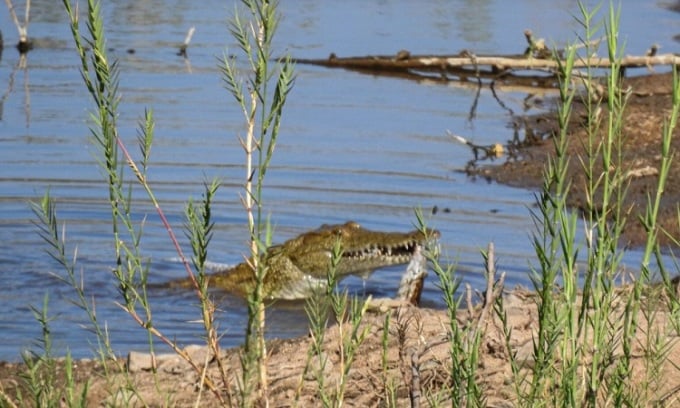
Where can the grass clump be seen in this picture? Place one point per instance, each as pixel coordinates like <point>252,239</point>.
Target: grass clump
<point>49,382</point>
<point>262,111</point>
<point>587,325</point>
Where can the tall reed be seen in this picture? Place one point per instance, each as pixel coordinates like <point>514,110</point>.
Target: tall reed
<point>262,109</point>
<point>584,345</point>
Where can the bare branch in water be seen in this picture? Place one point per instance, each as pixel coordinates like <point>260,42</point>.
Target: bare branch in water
<point>24,44</point>
<point>183,48</point>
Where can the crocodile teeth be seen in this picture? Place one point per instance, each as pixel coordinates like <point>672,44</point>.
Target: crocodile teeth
<point>398,252</point>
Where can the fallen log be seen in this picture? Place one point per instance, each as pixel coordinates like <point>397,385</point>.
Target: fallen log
<point>537,66</point>
<point>465,65</point>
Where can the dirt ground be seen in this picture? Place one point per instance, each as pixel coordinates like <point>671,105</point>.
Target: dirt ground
<point>417,360</point>
<point>416,365</point>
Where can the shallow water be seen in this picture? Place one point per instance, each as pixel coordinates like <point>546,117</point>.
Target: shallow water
<point>352,146</point>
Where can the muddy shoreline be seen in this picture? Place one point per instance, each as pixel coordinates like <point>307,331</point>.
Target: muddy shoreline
<point>647,108</point>
<point>409,353</point>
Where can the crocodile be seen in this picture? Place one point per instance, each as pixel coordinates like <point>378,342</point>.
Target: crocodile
<point>299,266</point>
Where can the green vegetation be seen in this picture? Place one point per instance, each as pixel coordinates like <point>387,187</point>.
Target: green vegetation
<point>42,372</point>
<point>262,111</point>
<point>587,324</point>
<point>582,351</point>
<point>343,309</point>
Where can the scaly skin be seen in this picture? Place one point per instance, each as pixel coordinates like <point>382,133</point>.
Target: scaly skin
<point>298,267</point>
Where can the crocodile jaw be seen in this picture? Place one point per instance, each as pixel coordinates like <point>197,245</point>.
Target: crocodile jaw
<point>361,263</point>
<point>363,251</point>
<point>365,261</point>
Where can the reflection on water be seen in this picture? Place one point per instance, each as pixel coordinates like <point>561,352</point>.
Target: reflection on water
<point>352,147</point>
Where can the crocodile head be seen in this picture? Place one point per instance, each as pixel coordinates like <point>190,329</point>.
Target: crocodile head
<point>298,267</point>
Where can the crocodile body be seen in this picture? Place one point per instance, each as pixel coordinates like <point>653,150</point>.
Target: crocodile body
<point>299,266</point>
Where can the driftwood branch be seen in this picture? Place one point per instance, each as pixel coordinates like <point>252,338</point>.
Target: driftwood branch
<point>183,48</point>
<point>494,288</point>
<point>538,64</point>
<point>495,64</point>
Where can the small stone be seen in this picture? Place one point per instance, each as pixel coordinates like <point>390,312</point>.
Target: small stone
<point>138,361</point>
<point>199,353</point>
<point>173,364</point>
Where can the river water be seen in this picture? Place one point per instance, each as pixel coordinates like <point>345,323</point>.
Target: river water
<point>352,147</point>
